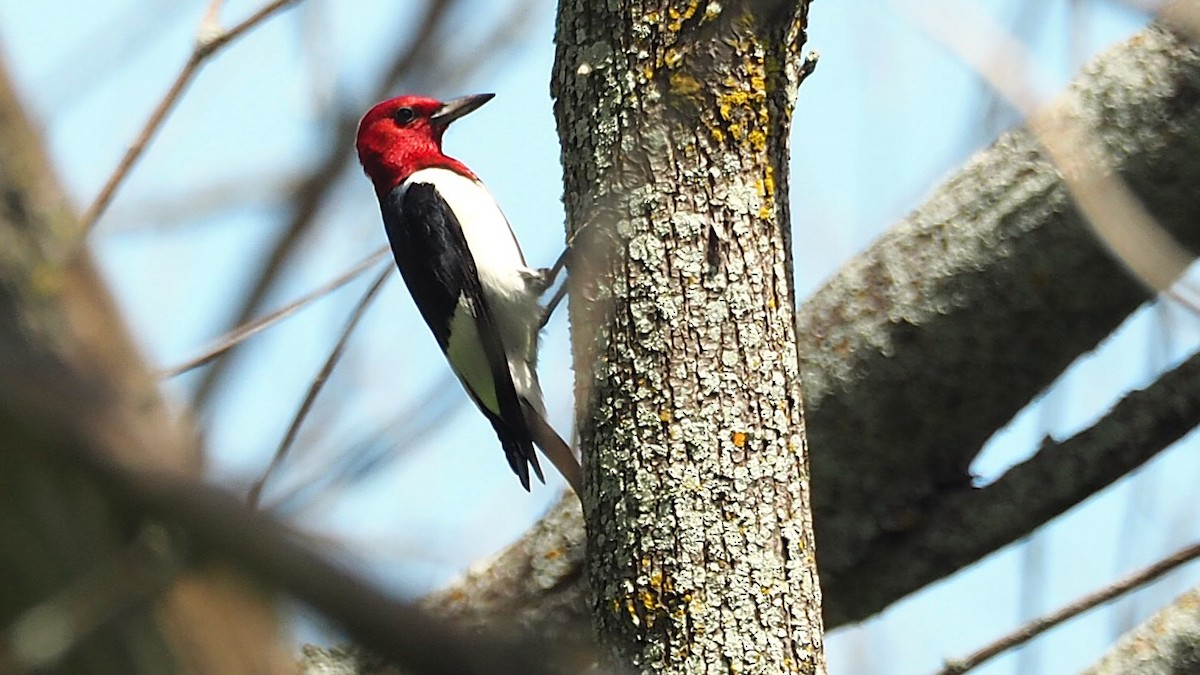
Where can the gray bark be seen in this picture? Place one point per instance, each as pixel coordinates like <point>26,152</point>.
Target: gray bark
<point>996,285</point>
<point>674,119</point>
<point>931,340</point>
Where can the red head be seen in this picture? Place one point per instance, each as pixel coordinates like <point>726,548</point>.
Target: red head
<point>403,135</point>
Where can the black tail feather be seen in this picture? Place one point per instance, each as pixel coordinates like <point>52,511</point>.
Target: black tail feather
<point>521,456</point>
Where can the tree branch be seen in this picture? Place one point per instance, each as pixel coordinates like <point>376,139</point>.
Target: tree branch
<point>912,358</point>
<point>965,526</point>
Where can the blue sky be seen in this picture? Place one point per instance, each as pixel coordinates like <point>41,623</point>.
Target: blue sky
<point>887,116</point>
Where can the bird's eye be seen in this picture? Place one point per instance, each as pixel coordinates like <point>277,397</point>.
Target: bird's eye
<point>403,116</point>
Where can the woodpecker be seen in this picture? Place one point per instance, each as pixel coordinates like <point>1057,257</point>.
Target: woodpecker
<point>465,271</point>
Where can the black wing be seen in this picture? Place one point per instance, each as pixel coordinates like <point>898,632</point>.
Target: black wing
<point>438,268</point>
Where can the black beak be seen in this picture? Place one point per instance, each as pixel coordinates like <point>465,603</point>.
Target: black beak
<point>456,108</point>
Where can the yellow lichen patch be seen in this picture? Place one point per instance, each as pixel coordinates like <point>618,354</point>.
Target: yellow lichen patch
<point>768,194</point>
<point>648,600</point>
<point>739,439</point>
<point>677,17</point>
<point>673,57</point>
<point>742,102</point>
<point>683,84</point>
<point>648,71</point>
<point>664,416</point>
<point>632,610</point>
<point>728,101</point>
<point>757,139</point>
<point>552,554</point>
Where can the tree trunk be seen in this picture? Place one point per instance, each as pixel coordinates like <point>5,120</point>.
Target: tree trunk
<point>674,120</point>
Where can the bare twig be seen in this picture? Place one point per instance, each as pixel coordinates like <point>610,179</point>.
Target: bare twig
<point>252,328</point>
<point>209,40</point>
<point>315,189</point>
<point>1183,300</point>
<point>1164,643</point>
<point>318,383</point>
<point>361,456</point>
<point>548,311</point>
<point>1045,623</point>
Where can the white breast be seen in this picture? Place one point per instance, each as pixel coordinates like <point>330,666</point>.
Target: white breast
<point>503,274</point>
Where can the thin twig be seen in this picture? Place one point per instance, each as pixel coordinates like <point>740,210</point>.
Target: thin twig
<point>318,383</point>
<point>208,42</point>
<point>548,310</point>
<point>1183,300</point>
<point>246,24</point>
<point>357,458</point>
<point>315,189</point>
<point>553,272</point>
<point>252,328</point>
<point>1038,626</point>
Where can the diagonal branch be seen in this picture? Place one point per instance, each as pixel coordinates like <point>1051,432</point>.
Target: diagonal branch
<point>974,305</point>
<point>319,382</point>
<point>963,527</point>
<point>209,40</point>
<point>1169,642</point>
<point>1042,624</point>
<point>252,328</point>
<point>316,188</point>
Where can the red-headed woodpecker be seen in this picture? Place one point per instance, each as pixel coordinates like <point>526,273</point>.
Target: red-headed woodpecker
<point>465,270</point>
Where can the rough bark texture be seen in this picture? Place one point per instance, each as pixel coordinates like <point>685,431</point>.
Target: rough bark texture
<point>1003,284</point>
<point>70,376</point>
<point>962,527</point>
<point>674,119</point>
<point>974,303</point>
<point>1167,644</point>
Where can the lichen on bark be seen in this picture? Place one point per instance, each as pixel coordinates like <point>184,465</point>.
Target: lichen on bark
<point>674,119</point>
